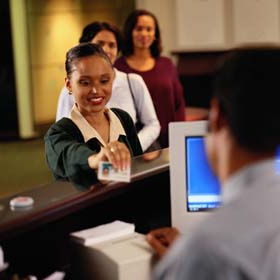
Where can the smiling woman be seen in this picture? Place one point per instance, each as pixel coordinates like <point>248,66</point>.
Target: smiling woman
<point>92,133</point>
<point>129,93</point>
<point>92,87</point>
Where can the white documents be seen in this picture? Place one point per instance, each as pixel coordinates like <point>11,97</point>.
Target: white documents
<point>112,251</point>
<point>103,233</point>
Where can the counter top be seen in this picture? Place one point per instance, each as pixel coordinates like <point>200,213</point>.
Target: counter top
<point>58,199</point>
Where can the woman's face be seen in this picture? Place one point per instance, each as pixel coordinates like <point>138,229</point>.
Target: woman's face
<point>91,83</point>
<point>143,34</point>
<point>107,40</point>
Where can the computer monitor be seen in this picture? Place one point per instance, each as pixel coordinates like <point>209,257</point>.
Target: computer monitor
<point>194,188</point>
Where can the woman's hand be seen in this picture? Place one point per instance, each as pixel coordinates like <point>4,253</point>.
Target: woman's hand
<point>115,152</point>
<point>160,239</point>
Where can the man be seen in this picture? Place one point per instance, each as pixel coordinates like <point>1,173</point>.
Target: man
<point>241,240</point>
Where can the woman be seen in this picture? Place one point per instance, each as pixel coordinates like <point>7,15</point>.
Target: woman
<point>141,50</point>
<point>92,133</point>
<point>109,37</point>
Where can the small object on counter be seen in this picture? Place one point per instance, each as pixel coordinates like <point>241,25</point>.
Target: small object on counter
<point>21,201</point>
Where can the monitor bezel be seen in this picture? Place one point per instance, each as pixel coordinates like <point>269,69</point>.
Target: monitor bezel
<point>180,218</point>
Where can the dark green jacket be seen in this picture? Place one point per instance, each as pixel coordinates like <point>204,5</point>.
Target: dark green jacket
<point>67,153</point>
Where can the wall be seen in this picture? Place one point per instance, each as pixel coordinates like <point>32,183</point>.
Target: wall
<point>203,25</point>
<point>196,32</point>
<point>165,12</point>
<point>54,27</point>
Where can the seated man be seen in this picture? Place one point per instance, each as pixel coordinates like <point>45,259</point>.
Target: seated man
<point>241,240</point>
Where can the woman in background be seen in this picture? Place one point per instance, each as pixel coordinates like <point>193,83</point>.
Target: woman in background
<point>142,110</point>
<point>92,133</point>
<point>141,55</point>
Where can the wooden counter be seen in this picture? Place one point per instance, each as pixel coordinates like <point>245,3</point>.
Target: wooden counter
<point>36,240</point>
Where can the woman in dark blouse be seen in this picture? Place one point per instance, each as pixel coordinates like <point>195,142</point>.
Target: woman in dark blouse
<point>92,133</point>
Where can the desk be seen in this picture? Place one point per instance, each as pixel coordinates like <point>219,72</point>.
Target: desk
<point>36,241</point>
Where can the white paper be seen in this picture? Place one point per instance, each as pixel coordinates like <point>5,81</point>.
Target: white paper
<point>104,232</point>
<point>3,265</point>
<point>57,275</point>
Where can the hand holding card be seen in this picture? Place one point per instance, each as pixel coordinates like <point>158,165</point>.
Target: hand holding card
<point>106,171</point>
<point>115,152</point>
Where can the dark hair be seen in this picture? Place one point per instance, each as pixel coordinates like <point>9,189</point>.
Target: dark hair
<point>129,25</point>
<point>83,50</point>
<point>247,85</point>
<point>92,29</point>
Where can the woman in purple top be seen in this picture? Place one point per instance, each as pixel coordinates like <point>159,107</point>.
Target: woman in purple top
<point>141,55</point>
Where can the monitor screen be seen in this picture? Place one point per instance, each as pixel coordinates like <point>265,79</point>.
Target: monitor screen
<point>203,190</point>
<point>194,189</point>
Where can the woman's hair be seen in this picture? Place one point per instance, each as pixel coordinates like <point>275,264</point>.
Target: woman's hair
<point>83,50</point>
<point>129,25</point>
<point>92,29</point>
<point>246,83</point>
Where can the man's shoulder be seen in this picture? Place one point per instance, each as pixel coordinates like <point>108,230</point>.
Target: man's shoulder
<point>232,222</point>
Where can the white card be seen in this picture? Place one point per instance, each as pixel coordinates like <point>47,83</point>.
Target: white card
<point>106,171</point>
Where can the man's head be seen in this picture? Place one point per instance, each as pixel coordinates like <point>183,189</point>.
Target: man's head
<point>245,112</point>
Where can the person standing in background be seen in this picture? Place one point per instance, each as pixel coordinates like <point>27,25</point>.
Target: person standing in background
<point>134,98</point>
<point>142,55</point>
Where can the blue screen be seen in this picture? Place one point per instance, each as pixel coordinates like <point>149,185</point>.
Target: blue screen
<point>203,189</point>
<point>277,160</point>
